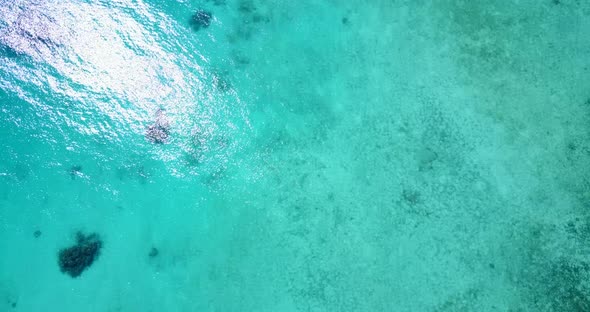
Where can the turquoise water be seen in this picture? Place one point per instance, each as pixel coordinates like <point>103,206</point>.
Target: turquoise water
<point>321,155</point>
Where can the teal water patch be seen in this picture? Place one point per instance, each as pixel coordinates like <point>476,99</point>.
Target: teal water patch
<point>309,156</point>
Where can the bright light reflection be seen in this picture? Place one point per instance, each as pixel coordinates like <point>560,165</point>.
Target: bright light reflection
<point>108,60</point>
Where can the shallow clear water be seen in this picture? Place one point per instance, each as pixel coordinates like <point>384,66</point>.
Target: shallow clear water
<point>321,155</point>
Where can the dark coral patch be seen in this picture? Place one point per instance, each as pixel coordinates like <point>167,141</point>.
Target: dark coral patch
<point>201,19</point>
<point>75,259</point>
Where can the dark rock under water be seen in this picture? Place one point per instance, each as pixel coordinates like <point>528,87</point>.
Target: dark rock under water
<point>201,19</point>
<point>76,259</point>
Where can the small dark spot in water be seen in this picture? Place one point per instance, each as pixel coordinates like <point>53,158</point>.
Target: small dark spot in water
<point>258,18</point>
<point>217,2</point>
<point>201,19</point>
<point>492,266</point>
<point>221,82</point>
<point>246,6</point>
<point>75,259</point>
<point>345,20</point>
<point>21,171</point>
<point>214,176</point>
<point>556,2</point>
<point>157,134</point>
<point>193,159</point>
<point>154,252</point>
<point>572,146</point>
<point>37,234</point>
<point>159,131</point>
<point>240,59</point>
<point>244,32</point>
<point>13,305</point>
<point>411,197</point>
<point>223,85</point>
<point>75,171</point>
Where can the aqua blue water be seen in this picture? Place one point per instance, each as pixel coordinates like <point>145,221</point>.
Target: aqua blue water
<point>318,155</point>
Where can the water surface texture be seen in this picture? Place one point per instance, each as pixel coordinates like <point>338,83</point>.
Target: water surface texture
<point>311,155</point>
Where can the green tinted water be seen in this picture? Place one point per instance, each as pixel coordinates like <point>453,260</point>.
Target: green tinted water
<point>321,155</point>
